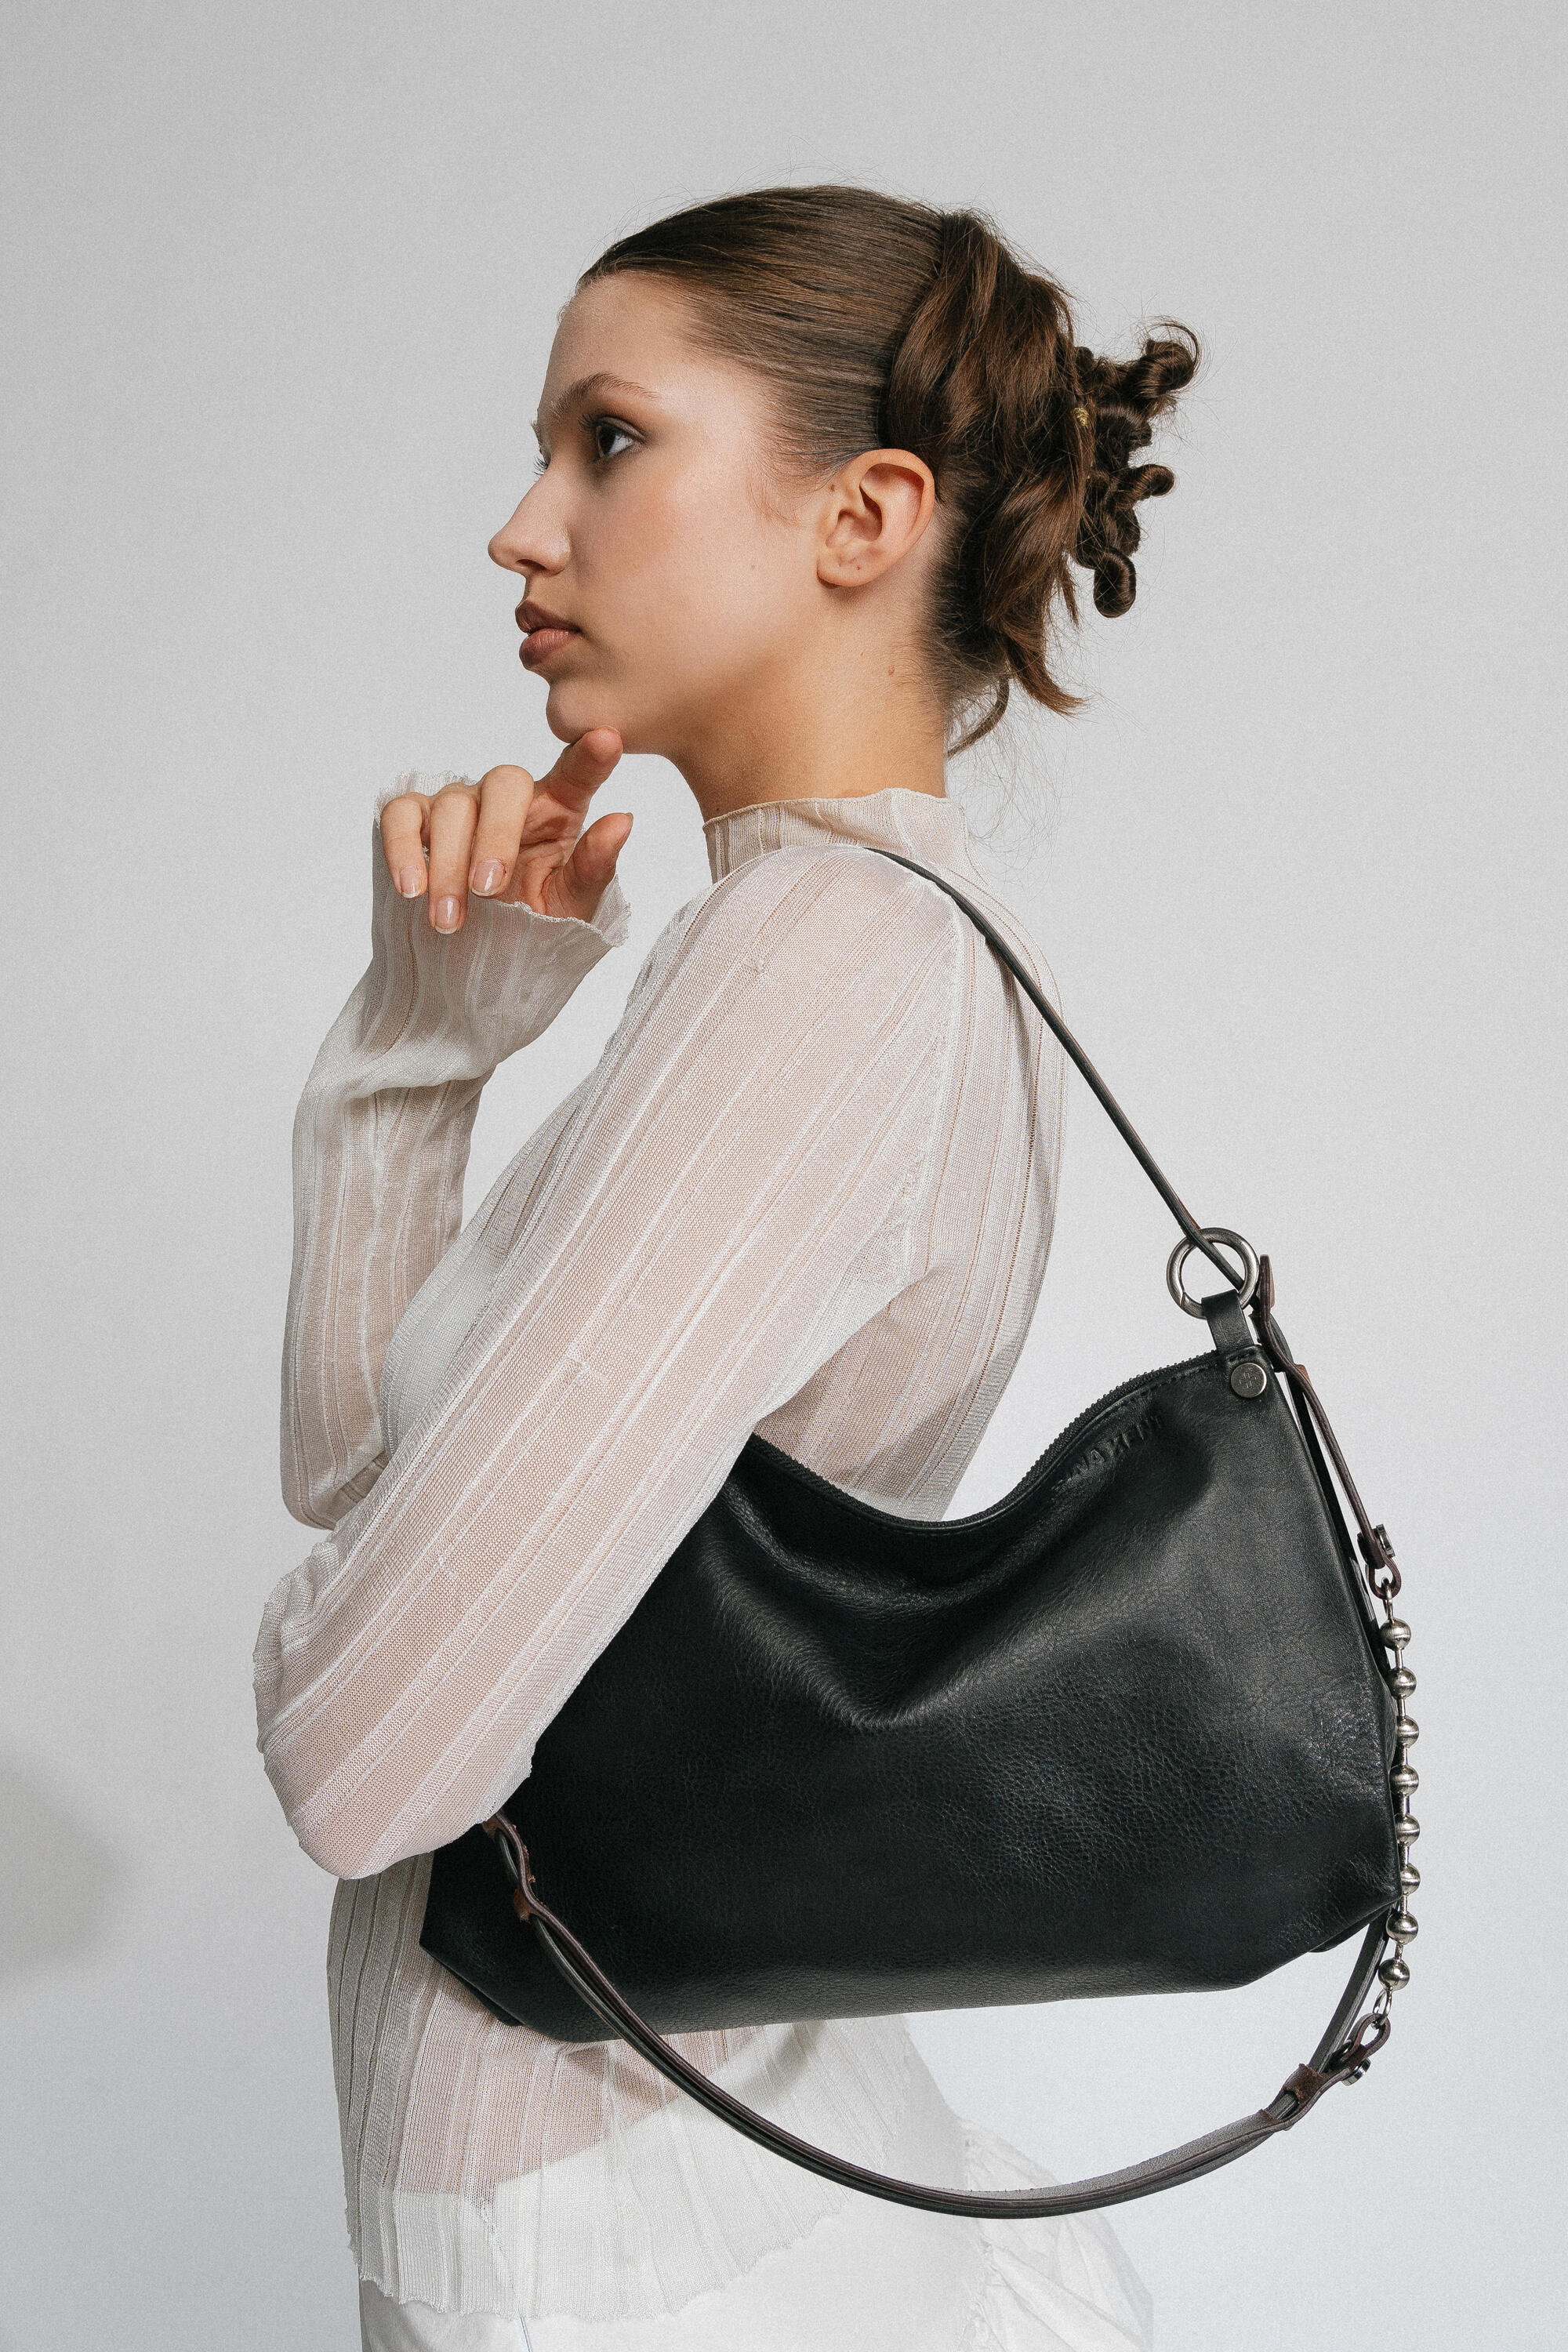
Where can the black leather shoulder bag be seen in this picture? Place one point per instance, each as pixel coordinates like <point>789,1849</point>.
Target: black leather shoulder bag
<point>1140,1727</point>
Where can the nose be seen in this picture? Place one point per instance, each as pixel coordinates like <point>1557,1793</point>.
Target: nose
<point>534,540</point>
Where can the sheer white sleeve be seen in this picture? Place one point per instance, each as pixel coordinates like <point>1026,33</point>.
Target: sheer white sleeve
<point>742,1183</point>
<point>381,1141</point>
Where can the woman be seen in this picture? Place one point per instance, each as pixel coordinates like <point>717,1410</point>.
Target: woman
<point>814,464</point>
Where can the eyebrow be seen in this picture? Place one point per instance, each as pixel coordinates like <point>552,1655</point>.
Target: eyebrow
<point>585,385</point>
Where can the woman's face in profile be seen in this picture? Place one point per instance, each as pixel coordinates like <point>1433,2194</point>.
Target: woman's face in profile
<point>660,534</point>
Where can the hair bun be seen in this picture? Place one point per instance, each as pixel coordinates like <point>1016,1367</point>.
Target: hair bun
<point>1123,398</point>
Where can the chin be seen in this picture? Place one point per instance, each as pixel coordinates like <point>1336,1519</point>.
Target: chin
<point>573,707</point>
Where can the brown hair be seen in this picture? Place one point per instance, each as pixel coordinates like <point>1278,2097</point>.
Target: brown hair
<point>884,324</point>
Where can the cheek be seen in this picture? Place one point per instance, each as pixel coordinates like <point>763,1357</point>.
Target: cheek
<point>698,579</point>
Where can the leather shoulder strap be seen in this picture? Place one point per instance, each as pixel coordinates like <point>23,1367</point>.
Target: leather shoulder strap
<point>1059,1028</point>
<point>1342,2057</point>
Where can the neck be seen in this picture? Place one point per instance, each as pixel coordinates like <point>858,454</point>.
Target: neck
<point>828,736</point>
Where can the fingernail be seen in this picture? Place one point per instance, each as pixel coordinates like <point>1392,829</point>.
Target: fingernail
<point>446,914</point>
<point>487,877</point>
<point>410,881</point>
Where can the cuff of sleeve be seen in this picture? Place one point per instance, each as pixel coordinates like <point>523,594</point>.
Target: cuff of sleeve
<point>466,999</point>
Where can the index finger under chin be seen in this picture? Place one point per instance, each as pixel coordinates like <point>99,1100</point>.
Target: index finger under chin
<point>403,827</point>
<point>584,765</point>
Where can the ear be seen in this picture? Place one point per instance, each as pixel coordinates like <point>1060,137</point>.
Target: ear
<point>877,508</point>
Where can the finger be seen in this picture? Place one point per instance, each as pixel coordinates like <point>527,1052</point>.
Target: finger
<point>504,797</point>
<point>577,887</point>
<point>453,813</point>
<point>403,823</point>
<point>583,766</point>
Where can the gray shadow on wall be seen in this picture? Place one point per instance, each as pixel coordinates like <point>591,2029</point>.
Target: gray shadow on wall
<point>61,1884</point>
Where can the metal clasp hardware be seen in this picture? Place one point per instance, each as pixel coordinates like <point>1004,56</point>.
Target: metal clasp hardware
<point>1360,2047</point>
<point>1382,1572</point>
<point>1244,1287</point>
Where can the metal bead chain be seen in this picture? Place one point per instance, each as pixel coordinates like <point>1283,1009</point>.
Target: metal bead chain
<point>1404,1780</point>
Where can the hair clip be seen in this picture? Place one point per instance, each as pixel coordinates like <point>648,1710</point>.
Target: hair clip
<point>1082,415</point>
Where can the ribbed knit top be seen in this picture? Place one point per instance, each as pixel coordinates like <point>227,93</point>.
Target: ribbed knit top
<point>807,1188</point>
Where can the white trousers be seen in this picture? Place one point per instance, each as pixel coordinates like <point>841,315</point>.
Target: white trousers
<point>388,2327</point>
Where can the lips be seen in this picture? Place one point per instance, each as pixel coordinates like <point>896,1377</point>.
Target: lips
<point>543,634</point>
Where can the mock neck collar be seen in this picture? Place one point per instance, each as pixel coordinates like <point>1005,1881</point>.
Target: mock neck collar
<point>927,826</point>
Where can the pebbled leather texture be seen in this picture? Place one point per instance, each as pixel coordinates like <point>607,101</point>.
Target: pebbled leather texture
<point>1126,1730</point>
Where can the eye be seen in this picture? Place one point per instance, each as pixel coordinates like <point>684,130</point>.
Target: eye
<point>610,439</point>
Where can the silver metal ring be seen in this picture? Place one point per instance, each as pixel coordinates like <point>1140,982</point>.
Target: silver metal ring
<point>1184,1248</point>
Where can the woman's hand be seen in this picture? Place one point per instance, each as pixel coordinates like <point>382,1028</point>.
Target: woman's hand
<point>510,838</point>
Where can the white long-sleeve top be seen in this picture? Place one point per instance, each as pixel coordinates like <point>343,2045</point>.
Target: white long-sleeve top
<point>807,1188</point>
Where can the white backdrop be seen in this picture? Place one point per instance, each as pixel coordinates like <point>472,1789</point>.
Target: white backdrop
<point>280,285</point>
